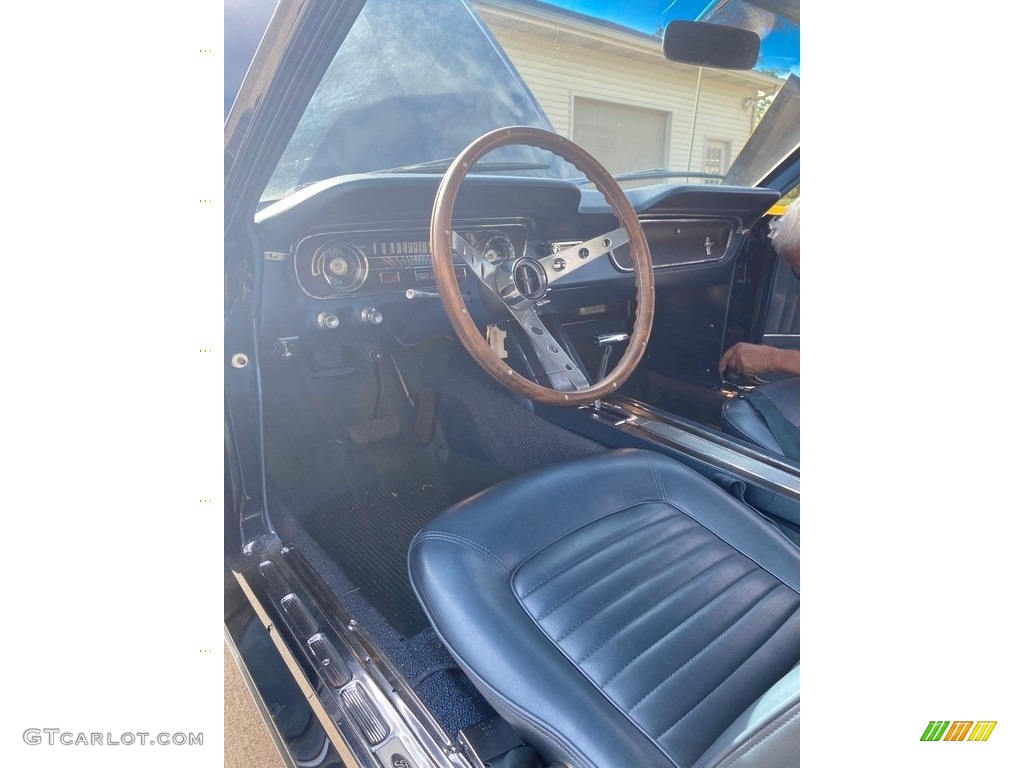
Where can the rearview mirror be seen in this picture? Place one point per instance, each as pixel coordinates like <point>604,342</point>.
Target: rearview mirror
<point>710,45</point>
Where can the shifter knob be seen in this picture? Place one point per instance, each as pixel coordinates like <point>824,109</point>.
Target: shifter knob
<point>608,340</point>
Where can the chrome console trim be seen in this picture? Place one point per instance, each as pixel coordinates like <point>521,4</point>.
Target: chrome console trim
<point>710,448</point>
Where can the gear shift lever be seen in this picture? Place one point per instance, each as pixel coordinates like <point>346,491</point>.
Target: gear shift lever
<point>607,341</point>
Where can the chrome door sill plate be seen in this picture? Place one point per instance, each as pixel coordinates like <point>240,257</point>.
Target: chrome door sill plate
<point>376,714</point>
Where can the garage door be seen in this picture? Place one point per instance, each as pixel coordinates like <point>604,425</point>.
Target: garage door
<point>623,137</point>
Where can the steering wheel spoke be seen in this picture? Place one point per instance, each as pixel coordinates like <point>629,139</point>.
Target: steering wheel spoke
<point>482,269</point>
<point>568,260</point>
<point>554,359</point>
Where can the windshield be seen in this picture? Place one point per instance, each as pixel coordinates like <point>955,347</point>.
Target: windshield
<point>415,82</point>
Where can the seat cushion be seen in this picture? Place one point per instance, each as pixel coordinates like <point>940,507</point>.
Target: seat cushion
<point>618,609</point>
<point>741,419</point>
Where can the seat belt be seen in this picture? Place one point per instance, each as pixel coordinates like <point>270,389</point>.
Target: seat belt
<point>785,432</point>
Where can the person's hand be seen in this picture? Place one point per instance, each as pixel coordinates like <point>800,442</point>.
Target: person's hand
<point>747,359</point>
<point>752,359</point>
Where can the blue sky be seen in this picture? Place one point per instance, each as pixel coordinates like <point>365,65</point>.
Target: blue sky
<point>780,50</point>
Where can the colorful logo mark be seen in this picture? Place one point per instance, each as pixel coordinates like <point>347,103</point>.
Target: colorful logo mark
<point>958,730</point>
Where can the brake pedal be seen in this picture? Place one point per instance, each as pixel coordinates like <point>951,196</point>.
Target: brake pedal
<point>374,430</point>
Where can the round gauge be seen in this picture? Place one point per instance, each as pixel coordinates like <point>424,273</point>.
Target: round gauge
<point>342,265</point>
<point>498,248</point>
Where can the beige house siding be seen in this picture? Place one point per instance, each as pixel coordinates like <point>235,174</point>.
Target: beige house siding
<point>557,70</point>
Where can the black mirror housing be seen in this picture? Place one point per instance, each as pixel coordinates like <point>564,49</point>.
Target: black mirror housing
<point>710,45</point>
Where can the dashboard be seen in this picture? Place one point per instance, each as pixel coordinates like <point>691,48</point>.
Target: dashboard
<point>353,253</point>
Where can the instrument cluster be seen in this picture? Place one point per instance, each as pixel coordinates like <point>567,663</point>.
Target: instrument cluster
<point>357,263</point>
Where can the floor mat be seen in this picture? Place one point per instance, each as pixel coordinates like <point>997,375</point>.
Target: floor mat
<point>367,529</point>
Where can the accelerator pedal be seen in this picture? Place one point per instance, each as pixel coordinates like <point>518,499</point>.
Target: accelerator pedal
<point>424,405</point>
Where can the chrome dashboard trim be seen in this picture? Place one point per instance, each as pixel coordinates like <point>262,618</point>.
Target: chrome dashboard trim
<point>645,220</point>
<point>390,228</point>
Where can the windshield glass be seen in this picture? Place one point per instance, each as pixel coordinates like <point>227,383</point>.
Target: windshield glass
<point>415,82</point>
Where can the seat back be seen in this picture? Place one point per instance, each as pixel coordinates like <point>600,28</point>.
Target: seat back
<point>774,431</point>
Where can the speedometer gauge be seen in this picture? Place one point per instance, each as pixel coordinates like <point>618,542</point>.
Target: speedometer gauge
<point>498,248</point>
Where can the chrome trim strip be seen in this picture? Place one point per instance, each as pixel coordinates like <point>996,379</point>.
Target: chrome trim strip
<point>689,263</point>
<point>711,449</point>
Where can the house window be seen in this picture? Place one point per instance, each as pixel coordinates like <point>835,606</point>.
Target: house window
<point>621,136</point>
<point>716,159</point>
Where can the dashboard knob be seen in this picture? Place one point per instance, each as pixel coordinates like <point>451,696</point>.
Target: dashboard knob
<point>371,316</point>
<point>328,320</point>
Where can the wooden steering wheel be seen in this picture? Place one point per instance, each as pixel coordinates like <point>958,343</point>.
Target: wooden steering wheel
<point>524,281</point>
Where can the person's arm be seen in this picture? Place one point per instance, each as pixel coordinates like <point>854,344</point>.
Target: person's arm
<point>752,359</point>
<point>784,361</point>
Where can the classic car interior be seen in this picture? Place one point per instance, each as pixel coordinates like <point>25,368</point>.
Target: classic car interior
<point>482,472</point>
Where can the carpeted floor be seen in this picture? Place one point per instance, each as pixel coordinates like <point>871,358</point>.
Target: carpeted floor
<point>367,529</point>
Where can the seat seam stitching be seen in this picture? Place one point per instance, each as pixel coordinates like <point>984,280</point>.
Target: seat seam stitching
<point>684,585</point>
<point>712,642</point>
<point>572,662</point>
<point>591,552</point>
<point>620,567</point>
<point>727,677</point>
<point>657,475</point>
<point>686,620</point>
<point>526,559</point>
<point>646,579</point>
<point>468,543</point>
<point>736,546</point>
